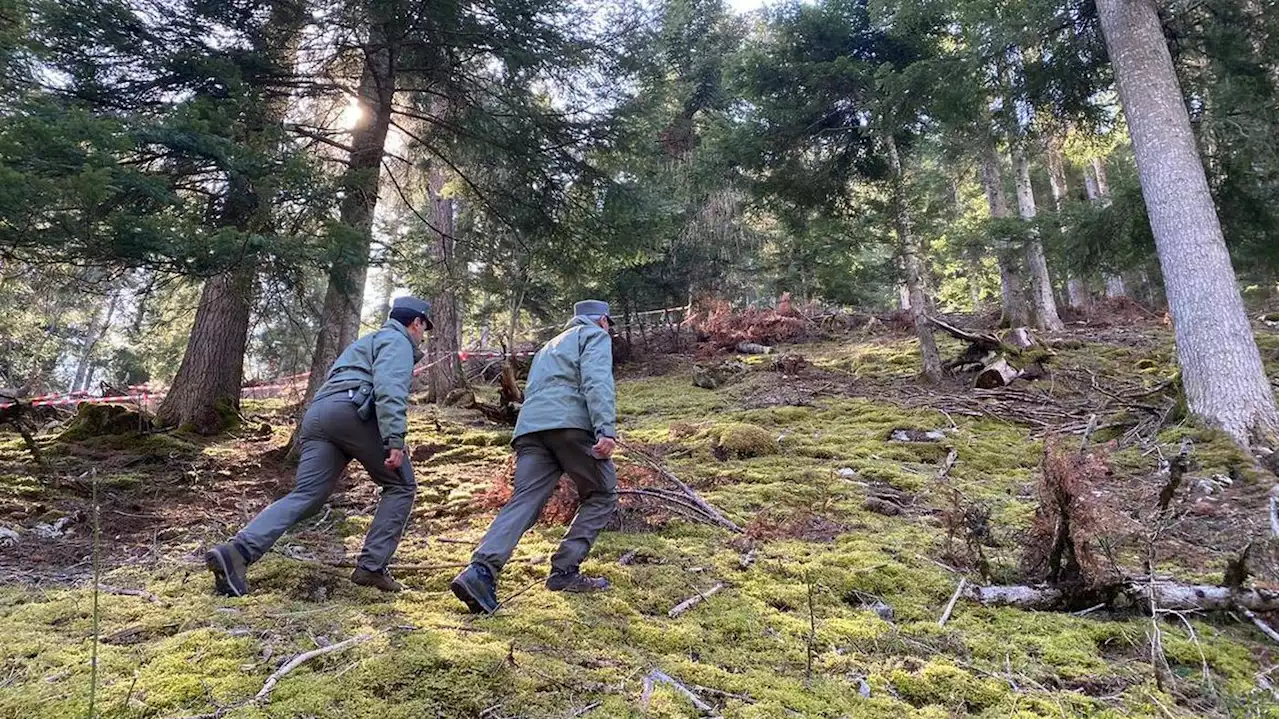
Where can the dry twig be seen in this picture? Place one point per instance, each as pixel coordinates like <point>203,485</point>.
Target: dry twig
<point>942,622</point>
<point>693,601</point>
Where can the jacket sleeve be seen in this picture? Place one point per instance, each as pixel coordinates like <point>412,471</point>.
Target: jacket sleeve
<point>392,373</point>
<point>596,377</point>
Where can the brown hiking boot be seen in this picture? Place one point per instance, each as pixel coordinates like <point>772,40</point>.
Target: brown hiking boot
<point>577,583</point>
<point>382,581</point>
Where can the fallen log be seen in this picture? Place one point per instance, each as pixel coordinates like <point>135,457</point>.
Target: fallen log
<point>997,373</point>
<point>1167,595</point>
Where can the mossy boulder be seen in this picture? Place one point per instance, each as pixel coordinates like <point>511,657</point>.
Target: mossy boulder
<point>96,420</point>
<point>715,376</point>
<point>741,440</point>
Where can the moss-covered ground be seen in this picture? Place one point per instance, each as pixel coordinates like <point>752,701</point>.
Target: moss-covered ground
<point>797,633</point>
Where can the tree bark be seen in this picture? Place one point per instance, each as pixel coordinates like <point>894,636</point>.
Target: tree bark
<point>909,245</point>
<point>1013,299</point>
<point>340,315</point>
<point>444,342</point>
<point>1044,309</point>
<point>205,395</point>
<point>1222,371</point>
<point>1095,179</point>
<point>1077,291</point>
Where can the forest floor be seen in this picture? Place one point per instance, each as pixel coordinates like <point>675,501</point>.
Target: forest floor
<point>800,631</point>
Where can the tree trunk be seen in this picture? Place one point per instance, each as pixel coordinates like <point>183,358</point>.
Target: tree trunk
<point>975,287</point>
<point>340,316</point>
<point>445,373</point>
<point>1044,309</point>
<point>205,395</point>
<point>386,286</point>
<point>1095,178</point>
<point>84,368</point>
<point>909,245</point>
<point>1013,299</point>
<point>1077,292</point>
<point>1222,372</point>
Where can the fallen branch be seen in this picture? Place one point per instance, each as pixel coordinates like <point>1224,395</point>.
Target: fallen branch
<point>658,675</point>
<point>983,340</point>
<point>123,591</point>
<point>693,601</point>
<point>451,540</point>
<point>1257,621</point>
<point>303,658</point>
<point>1168,595</point>
<point>946,614</point>
<point>686,493</point>
<point>264,693</point>
<point>585,709</point>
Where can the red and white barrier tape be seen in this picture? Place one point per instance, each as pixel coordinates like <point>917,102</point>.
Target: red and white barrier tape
<point>142,393</point>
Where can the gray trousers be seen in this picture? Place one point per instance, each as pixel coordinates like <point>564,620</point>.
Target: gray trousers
<point>541,458</point>
<point>332,434</point>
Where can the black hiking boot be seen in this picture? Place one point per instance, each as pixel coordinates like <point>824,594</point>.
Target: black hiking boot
<point>382,581</point>
<point>228,567</point>
<point>474,586</point>
<point>575,582</point>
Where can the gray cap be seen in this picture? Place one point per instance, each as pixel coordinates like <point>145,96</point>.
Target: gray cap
<point>591,308</point>
<point>415,305</point>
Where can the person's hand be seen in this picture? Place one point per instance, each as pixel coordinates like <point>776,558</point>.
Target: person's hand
<point>394,459</point>
<point>603,449</point>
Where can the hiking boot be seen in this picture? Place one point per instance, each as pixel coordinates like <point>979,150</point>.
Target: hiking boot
<point>228,566</point>
<point>382,581</point>
<point>474,586</point>
<point>575,582</point>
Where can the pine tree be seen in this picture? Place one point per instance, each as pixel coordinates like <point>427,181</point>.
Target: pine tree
<point>1222,372</point>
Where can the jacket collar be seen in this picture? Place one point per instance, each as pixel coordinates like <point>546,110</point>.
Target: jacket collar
<point>404,331</point>
<point>581,321</point>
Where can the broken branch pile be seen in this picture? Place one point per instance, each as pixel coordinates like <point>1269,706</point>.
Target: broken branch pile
<point>998,359</point>
<point>752,328</point>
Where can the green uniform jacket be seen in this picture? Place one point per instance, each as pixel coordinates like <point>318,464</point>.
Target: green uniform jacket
<point>571,383</point>
<point>382,363</point>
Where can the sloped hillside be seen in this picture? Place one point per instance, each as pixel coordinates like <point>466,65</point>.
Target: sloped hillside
<point>828,604</point>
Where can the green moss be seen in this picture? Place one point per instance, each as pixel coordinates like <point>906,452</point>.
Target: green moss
<point>743,440</point>
<point>548,654</point>
<point>947,685</point>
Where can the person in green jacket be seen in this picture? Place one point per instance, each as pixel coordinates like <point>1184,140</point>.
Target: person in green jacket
<point>358,413</point>
<point>567,425</point>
